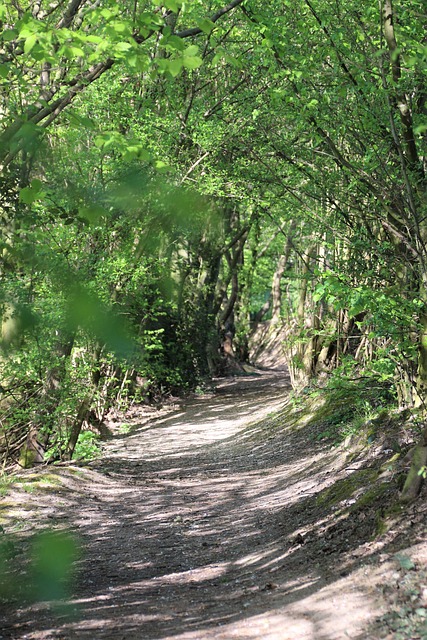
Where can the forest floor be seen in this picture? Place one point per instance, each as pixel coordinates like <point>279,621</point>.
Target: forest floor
<point>207,521</point>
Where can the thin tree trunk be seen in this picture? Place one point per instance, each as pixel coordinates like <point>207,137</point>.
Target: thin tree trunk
<point>276,292</point>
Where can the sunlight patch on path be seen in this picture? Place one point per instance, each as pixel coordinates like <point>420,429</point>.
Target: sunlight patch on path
<point>336,612</point>
<point>201,424</point>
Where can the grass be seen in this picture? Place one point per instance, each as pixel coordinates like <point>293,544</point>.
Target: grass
<point>5,482</point>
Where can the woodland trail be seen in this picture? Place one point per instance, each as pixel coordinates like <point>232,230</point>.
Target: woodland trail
<point>197,526</point>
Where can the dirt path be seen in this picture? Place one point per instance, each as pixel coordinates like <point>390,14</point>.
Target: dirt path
<point>194,526</point>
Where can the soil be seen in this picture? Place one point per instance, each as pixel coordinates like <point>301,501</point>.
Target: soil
<point>206,521</point>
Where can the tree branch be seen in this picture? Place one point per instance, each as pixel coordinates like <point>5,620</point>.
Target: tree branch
<point>70,13</point>
<point>193,166</point>
<point>195,31</point>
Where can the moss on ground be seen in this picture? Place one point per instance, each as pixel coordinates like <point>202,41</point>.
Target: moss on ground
<point>347,487</point>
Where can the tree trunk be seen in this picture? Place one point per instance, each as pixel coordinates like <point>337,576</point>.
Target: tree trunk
<point>276,292</point>
<point>77,425</point>
<point>415,478</point>
<point>421,383</point>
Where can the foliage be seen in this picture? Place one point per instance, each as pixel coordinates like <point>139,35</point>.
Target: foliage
<point>87,446</point>
<point>175,172</point>
<point>50,558</point>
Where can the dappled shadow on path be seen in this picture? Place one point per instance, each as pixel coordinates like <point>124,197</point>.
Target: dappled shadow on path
<point>196,526</point>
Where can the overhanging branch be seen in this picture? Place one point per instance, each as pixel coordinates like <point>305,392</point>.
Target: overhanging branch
<point>195,31</point>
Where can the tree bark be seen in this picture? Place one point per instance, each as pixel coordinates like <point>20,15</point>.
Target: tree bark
<point>276,292</point>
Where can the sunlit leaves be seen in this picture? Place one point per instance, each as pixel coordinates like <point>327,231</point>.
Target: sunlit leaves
<point>261,113</point>
<point>27,137</point>
<point>30,42</point>
<point>385,312</point>
<point>109,13</point>
<point>108,32</point>
<point>137,60</point>
<point>182,57</point>
<point>148,22</point>
<point>175,66</point>
<point>206,25</point>
<point>123,47</point>
<point>191,59</point>
<point>172,5</point>
<point>111,141</point>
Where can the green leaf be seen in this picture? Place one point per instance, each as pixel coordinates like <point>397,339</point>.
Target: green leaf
<point>30,42</point>
<point>86,310</point>
<point>36,184</point>
<point>161,166</point>
<point>191,51</point>
<point>123,46</point>
<point>71,52</point>
<point>77,52</point>
<point>162,64</point>
<point>151,20</point>
<point>235,62</point>
<point>120,27</point>
<point>27,195</point>
<point>313,103</point>
<point>107,13</point>
<point>175,43</point>
<point>94,39</point>
<point>53,556</point>
<point>192,62</point>
<point>8,35</point>
<point>92,213</point>
<point>40,54</point>
<point>4,70</point>
<point>175,66</point>
<point>103,140</point>
<point>143,63</point>
<point>206,25</point>
<point>30,194</point>
<point>80,121</point>
<point>172,5</point>
<point>132,60</point>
